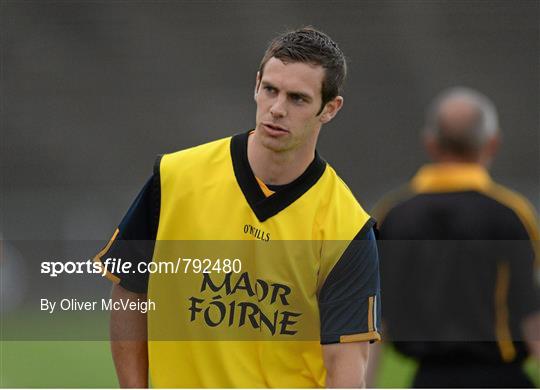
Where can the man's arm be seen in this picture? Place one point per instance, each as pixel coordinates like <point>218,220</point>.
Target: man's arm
<point>373,364</point>
<point>129,341</point>
<point>349,306</point>
<point>346,364</point>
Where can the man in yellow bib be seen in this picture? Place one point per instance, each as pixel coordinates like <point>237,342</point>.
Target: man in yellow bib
<point>298,301</point>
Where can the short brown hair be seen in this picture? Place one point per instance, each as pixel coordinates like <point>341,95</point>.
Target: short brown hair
<point>310,45</point>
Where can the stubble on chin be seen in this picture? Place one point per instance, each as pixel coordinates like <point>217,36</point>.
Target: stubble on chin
<point>276,145</point>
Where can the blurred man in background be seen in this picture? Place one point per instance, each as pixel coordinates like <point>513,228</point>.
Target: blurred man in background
<point>457,257</point>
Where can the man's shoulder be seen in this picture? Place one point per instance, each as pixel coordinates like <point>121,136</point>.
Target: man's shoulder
<point>502,205</point>
<point>518,204</point>
<point>335,187</point>
<point>339,204</point>
<point>202,150</point>
<point>196,162</point>
<point>196,157</point>
<point>391,200</point>
<point>510,198</point>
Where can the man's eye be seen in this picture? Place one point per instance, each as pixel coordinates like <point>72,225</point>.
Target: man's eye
<point>297,99</point>
<point>269,89</point>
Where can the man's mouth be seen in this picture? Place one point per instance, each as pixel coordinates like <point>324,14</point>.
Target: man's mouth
<point>272,128</point>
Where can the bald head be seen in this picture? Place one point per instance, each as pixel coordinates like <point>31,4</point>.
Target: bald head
<point>462,122</point>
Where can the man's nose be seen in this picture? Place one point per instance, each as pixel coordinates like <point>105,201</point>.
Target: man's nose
<point>278,110</point>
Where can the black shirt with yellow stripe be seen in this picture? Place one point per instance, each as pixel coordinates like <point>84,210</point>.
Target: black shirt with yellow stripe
<point>458,260</point>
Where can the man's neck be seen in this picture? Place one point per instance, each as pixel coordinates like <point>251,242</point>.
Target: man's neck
<point>453,159</point>
<point>277,168</point>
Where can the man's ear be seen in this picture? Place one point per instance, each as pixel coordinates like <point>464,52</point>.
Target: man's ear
<point>430,145</point>
<point>257,84</point>
<point>490,150</point>
<point>331,109</point>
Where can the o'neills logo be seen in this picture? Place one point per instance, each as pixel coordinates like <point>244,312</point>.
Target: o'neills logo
<point>250,297</point>
<point>257,233</point>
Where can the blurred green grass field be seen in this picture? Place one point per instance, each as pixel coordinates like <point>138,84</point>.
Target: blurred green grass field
<point>88,364</point>
<point>53,364</point>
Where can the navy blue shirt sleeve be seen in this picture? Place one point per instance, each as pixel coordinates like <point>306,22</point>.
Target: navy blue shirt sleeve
<point>349,301</point>
<point>134,239</point>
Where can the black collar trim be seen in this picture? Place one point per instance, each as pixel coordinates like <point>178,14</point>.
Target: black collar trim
<point>266,207</point>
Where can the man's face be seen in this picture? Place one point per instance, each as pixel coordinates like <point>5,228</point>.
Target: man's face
<point>288,97</point>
